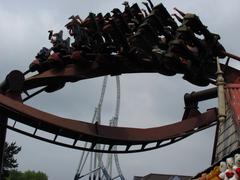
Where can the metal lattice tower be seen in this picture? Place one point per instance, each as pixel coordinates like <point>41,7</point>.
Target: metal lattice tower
<point>97,168</point>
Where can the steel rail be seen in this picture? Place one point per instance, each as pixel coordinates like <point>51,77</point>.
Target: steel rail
<point>74,72</point>
<point>159,144</point>
<point>95,133</point>
<point>78,130</point>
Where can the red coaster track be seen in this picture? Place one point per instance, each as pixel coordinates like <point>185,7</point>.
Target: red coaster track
<point>131,139</point>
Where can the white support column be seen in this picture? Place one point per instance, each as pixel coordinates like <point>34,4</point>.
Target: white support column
<point>221,96</point>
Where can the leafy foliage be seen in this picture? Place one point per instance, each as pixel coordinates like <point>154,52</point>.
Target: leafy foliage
<point>27,175</point>
<point>9,161</point>
<point>10,165</point>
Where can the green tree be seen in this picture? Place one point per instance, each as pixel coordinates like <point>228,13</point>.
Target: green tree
<point>27,175</point>
<point>9,162</point>
<point>14,174</point>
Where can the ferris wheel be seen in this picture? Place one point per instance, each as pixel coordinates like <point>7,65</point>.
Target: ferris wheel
<point>101,167</point>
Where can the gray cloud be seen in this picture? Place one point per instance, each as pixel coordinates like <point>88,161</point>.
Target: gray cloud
<point>147,100</point>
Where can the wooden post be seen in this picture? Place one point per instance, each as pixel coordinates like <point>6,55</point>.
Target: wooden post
<point>221,96</point>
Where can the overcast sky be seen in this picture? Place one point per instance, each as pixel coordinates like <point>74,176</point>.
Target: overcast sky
<point>147,100</point>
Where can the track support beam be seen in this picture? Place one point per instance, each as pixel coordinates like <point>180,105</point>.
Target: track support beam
<point>3,132</point>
